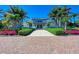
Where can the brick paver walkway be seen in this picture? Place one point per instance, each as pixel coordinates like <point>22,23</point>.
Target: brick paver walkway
<point>39,44</point>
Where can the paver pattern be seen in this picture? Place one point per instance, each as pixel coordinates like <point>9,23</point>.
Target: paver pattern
<point>39,44</point>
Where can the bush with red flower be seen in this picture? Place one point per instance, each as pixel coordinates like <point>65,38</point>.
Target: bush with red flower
<point>72,31</point>
<point>8,32</point>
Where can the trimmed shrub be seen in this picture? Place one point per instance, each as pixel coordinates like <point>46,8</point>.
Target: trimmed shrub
<point>70,28</point>
<point>61,33</point>
<point>76,28</point>
<point>56,31</point>
<point>25,32</point>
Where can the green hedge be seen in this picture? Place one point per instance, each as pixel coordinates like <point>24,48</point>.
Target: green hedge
<point>60,33</point>
<point>25,32</point>
<point>56,31</point>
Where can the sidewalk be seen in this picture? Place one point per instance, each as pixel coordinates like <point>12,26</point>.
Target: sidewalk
<point>41,33</point>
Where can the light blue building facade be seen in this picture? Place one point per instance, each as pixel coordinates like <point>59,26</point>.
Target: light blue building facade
<point>40,23</point>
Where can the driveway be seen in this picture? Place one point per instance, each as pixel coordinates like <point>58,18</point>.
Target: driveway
<point>41,32</point>
<point>39,44</point>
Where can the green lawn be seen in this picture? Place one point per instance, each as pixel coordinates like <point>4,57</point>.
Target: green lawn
<point>56,31</point>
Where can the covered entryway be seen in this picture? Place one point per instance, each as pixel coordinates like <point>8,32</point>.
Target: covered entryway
<point>39,23</point>
<point>39,26</point>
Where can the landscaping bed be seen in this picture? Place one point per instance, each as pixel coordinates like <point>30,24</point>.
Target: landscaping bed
<point>60,31</point>
<point>23,32</point>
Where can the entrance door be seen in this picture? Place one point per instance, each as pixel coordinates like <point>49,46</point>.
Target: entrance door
<point>39,26</point>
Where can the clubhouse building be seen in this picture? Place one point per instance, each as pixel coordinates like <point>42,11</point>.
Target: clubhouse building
<point>39,23</point>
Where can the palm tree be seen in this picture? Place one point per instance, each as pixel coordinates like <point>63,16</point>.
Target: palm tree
<point>48,24</point>
<point>19,14</point>
<point>8,17</point>
<point>1,25</point>
<point>74,16</point>
<point>1,11</point>
<point>66,16</point>
<point>65,20</point>
<point>6,24</point>
<point>53,15</point>
<point>60,14</point>
<point>3,22</point>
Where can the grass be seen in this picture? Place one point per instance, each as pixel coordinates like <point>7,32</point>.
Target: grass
<point>56,31</point>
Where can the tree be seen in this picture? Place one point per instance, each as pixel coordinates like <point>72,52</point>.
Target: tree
<point>6,24</point>
<point>61,14</point>
<point>74,15</point>
<point>48,24</point>
<point>1,25</point>
<point>30,24</point>
<point>1,11</point>
<point>58,13</point>
<point>65,20</point>
<point>7,19</point>
<point>54,15</point>
<point>19,14</point>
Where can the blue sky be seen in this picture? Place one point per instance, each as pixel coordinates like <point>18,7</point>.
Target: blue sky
<point>40,11</point>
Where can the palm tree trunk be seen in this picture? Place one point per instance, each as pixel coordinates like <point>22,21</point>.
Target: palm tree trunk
<point>55,21</point>
<point>65,27</point>
<point>74,19</point>
<point>59,23</point>
<point>20,23</point>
